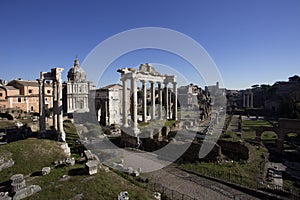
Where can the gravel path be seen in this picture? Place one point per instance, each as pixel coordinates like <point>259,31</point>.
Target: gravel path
<point>194,186</point>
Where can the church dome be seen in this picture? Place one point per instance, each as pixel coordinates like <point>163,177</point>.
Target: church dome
<point>76,73</point>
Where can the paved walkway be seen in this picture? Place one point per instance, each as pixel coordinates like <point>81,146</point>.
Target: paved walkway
<point>194,186</point>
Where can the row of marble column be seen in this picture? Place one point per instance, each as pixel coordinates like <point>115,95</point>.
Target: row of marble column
<point>57,108</point>
<point>248,100</point>
<point>134,102</point>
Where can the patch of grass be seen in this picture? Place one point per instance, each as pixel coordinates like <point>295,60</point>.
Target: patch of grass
<point>72,139</point>
<point>249,128</point>
<point>141,124</point>
<point>106,131</point>
<point>170,123</point>
<point>240,173</point>
<point>252,125</point>
<point>100,186</point>
<point>229,136</point>
<point>268,136</point>
<point>30,155</point>
<point>292,135</point>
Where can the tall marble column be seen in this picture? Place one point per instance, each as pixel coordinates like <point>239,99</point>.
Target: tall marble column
<point>159,101</point>
<point>134,105</point>
<point>144,106</point>
<point>153,100</point>
<point>170,105</point>
<point>42,119</point>
<point>251,100</point>
<point>54,108</point>
<point>175,101</point>
<point>62,134</point>
<point>166,101</point>
<point>244,100</point>
<point>124,104</point>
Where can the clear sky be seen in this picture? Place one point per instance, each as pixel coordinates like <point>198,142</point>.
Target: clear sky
<point>254,41</point>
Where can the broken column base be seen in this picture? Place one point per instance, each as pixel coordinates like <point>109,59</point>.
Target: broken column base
<point>26,192</point>
<point>64,146</point>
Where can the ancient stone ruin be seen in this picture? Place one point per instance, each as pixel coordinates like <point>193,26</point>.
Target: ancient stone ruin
<point>91,167</point>
<point>146,74</point>
<point>19,190</point>
<point>55,77</point>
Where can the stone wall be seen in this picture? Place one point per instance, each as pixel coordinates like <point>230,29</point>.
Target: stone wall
<point>232,150</point>
<point>156,139</point>
<point>192,153</point>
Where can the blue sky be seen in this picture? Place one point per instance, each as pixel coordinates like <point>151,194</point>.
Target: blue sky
<point>254,41</point>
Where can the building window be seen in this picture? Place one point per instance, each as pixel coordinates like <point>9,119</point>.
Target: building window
<point>29,91</point>
<point>31,109</point>
<point>19,99</point>
<point>48,91</point>
<point>0,94</point>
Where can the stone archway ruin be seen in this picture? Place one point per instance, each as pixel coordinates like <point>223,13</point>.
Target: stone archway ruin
<point>285,126</point>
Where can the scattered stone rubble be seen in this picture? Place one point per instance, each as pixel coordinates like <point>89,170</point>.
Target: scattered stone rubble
<point>5,196</point>
<point>64,146</point>
<point>46,170</point>
<point>157,196</point>
<point>128,170</point>
<point>91,167</point>
<point>92,163</point>
<point>70,161</point>
<point>65,178</point>
<point>67,161</point>
<point>4,165</point>
<point>90,156</point>
<point>79,197</point>
<point>123,196</point>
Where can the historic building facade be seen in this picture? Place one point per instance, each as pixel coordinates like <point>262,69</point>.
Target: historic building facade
<point>24,95</point>
<point>76,90</point>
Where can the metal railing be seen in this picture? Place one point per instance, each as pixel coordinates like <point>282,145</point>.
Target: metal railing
<point>251,183</point>
<point>167,193</point>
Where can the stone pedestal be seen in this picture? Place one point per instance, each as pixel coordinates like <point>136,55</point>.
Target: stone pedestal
<point>17,182</point>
